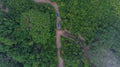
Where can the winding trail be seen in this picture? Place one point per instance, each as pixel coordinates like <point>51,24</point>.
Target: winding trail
<point>77,39</point>
<point>58,32</point>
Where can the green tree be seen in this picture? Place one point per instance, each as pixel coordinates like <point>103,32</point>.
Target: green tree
<point>38,26</point>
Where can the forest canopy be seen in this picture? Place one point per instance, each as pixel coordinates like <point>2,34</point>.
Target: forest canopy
<point>27,31</point>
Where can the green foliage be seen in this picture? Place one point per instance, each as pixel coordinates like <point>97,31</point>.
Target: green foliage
<point>8,62</point>
<point>87,17</point>
<point>27,32</point>
<point>6,41</point>
<point>37,26</point>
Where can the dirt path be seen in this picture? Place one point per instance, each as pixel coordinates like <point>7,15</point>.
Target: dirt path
<point>64,33</point>
<point>58,32</point>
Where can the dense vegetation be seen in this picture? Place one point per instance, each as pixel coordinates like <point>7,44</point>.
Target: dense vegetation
<point>27,32</point>
<point>8,62</point>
